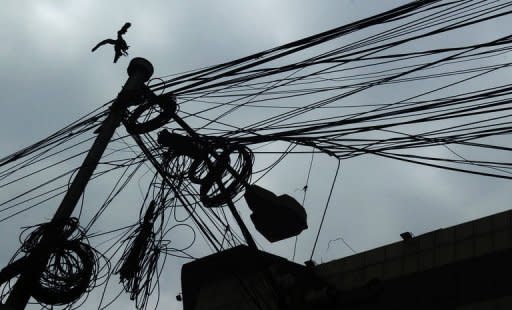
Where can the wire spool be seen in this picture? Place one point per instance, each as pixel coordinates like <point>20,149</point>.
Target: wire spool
<point>34,238</point>
<point>71,268</point>
<point>67,275</point>
<point>236,158</point>
<point>219,167</point>
<point>164,106</point>
<point>208,166</point>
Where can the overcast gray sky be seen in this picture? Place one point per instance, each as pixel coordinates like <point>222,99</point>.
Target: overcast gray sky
<point>49,77</point>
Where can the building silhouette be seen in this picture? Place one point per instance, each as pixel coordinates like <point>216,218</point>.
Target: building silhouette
<point>462,267</point>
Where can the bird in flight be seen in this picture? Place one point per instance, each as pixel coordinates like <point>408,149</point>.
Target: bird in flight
<point>120,46</point>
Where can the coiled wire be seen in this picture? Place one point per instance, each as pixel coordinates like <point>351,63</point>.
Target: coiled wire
<point>72,268</point>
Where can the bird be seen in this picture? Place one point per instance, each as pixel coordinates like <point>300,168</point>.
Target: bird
<point>120,46</point>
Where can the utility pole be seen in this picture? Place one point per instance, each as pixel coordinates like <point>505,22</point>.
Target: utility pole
<point>139,71</point>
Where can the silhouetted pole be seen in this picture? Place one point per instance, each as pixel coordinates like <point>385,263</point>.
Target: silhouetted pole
<point>139,71</point>
<point>239,221</point>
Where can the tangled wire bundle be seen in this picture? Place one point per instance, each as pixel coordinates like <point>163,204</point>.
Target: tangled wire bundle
<point>138,265</point>
<point>219,167</point>
<point>221,177</point>
<point>176,167</point>
<point>72,267</point>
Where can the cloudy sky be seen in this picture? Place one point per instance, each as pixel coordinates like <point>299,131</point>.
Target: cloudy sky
<point>49,77</point>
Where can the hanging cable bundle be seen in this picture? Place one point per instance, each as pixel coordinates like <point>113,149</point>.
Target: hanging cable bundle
<point>221,168</point>
<point>138,264</point>
<point>72,267</point>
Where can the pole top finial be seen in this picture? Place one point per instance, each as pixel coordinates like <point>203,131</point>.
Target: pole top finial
<point>141,66</point>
